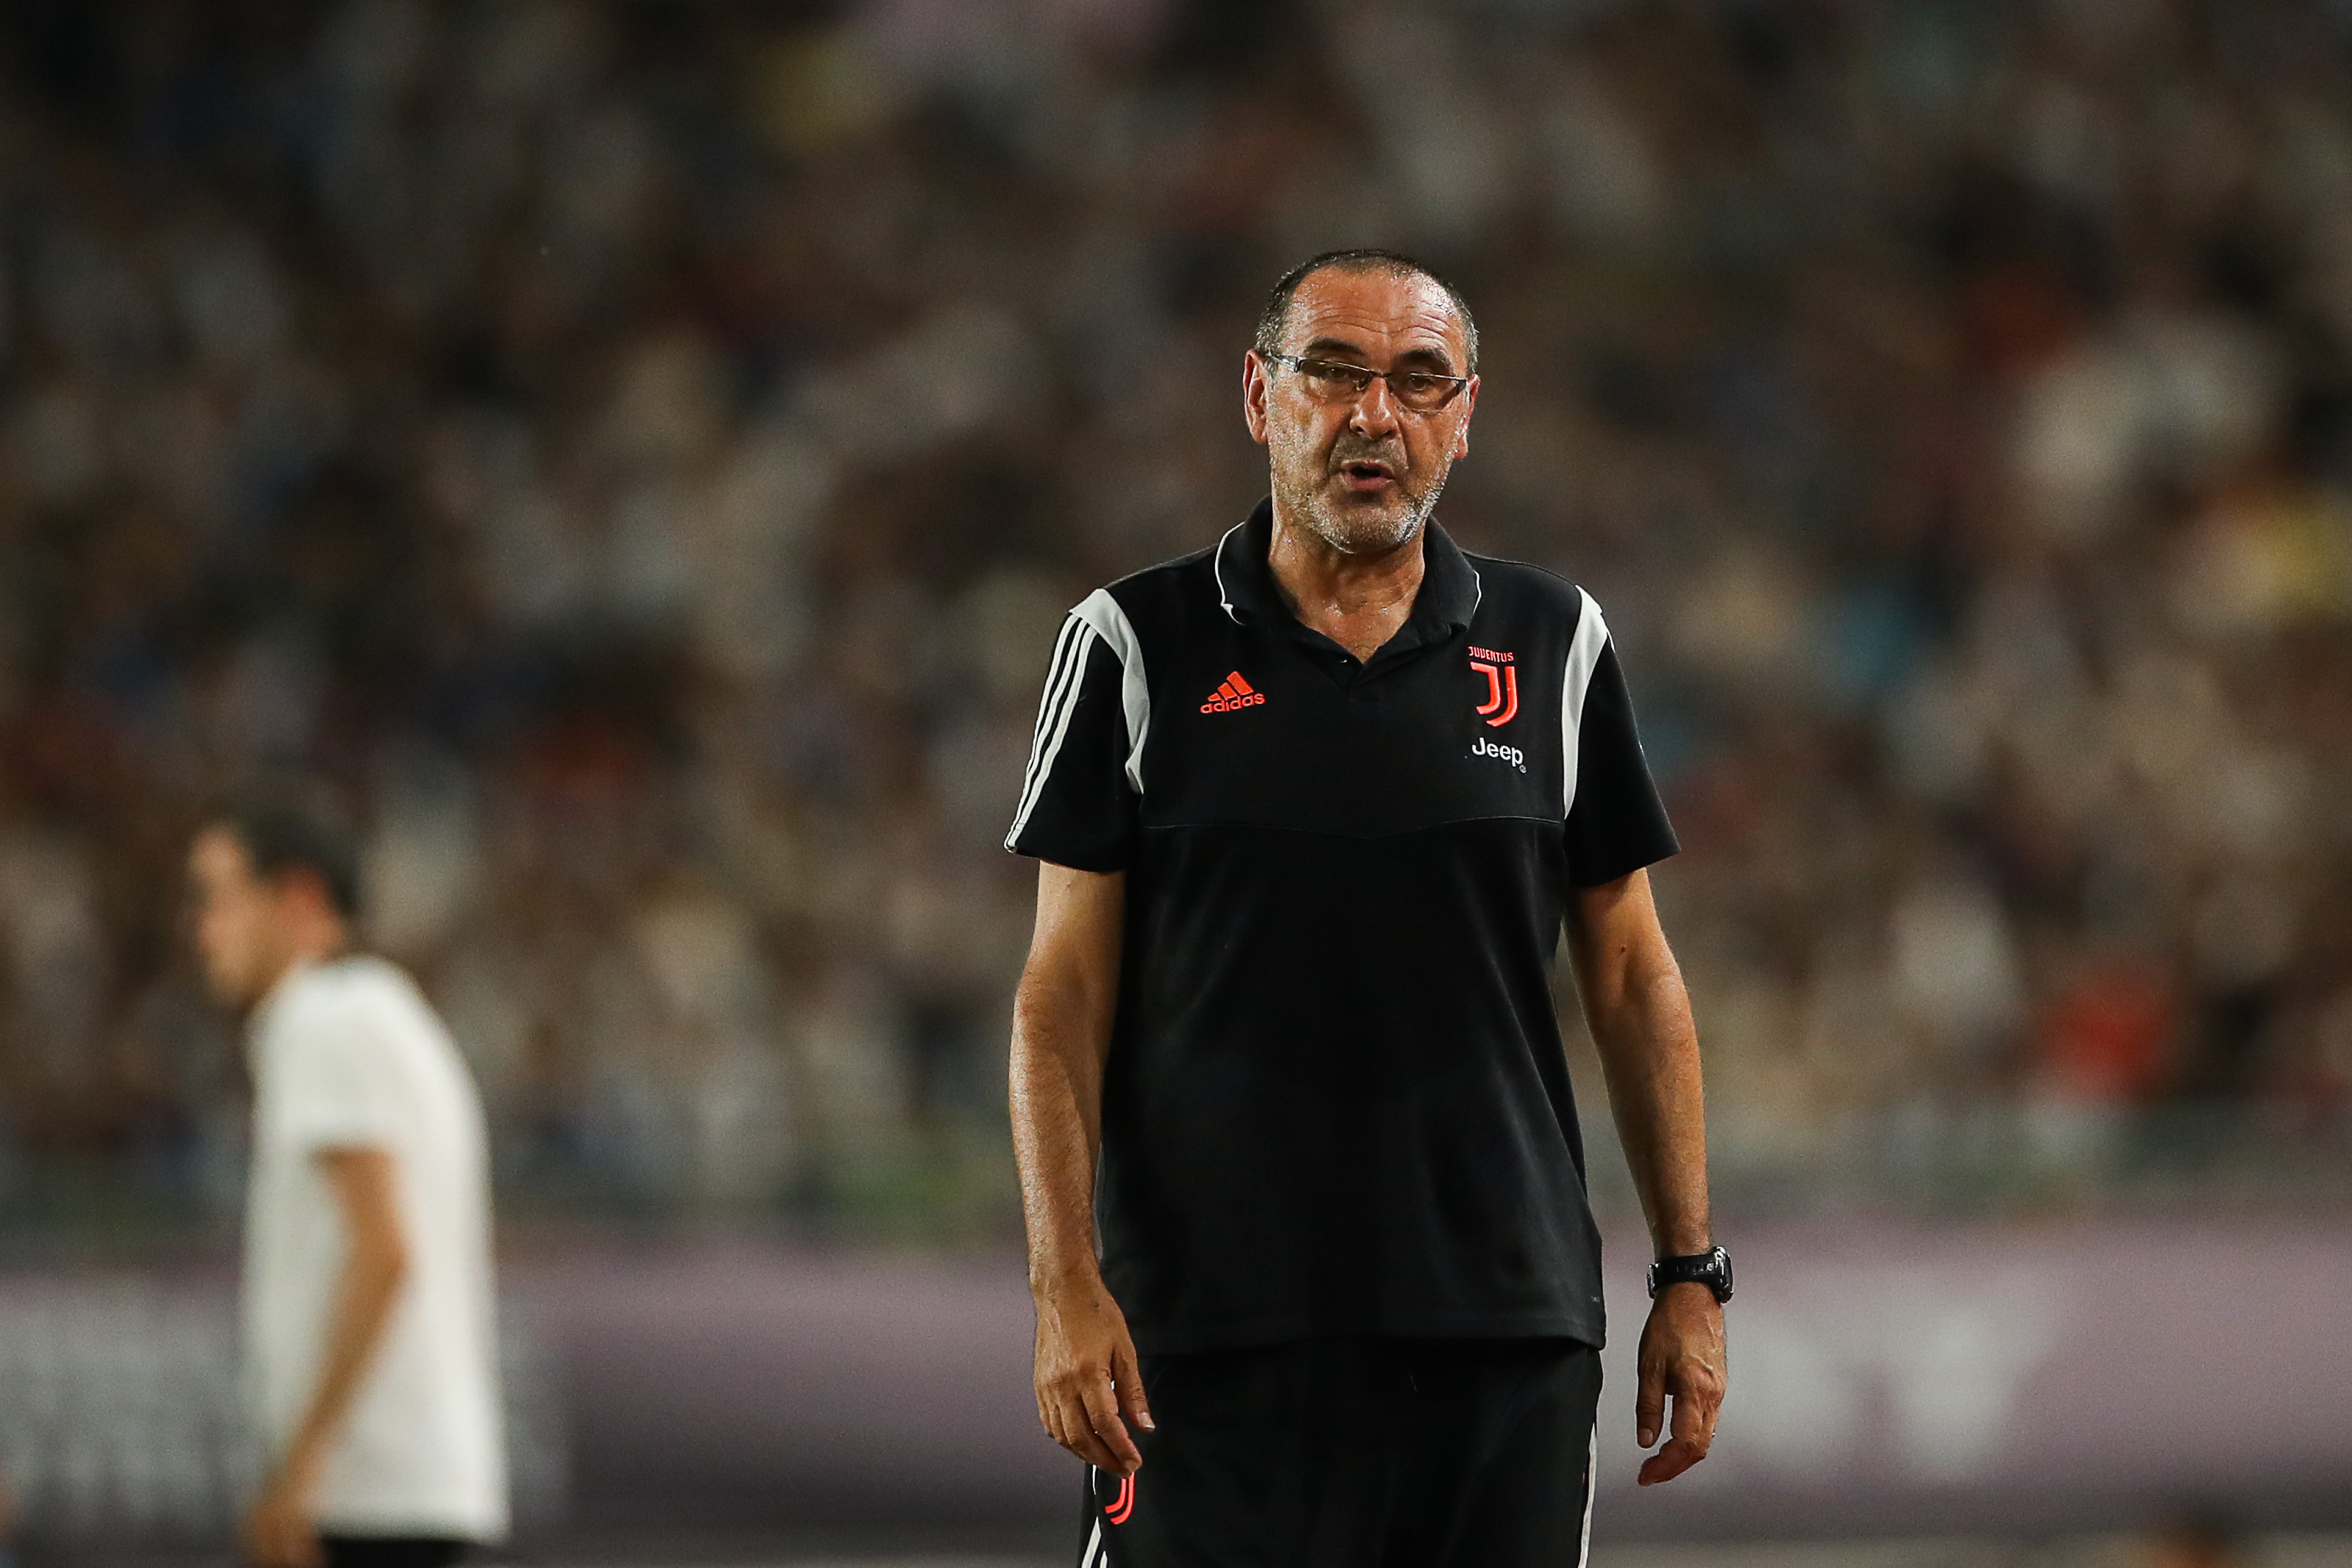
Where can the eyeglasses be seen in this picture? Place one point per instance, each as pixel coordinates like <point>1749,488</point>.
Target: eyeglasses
<point>1335,380</point>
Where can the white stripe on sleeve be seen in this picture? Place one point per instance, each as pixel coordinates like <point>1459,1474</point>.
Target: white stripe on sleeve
<point>1097,619</point>
<point>1102,613</point>
<point>1584,652</point>
<point>1065,642</point>
<point>1064,681</point>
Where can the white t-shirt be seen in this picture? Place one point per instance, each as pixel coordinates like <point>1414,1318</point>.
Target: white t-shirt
<point>348,1054</point>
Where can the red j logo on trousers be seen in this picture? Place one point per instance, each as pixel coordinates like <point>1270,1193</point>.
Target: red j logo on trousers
<point>1119,1507</point>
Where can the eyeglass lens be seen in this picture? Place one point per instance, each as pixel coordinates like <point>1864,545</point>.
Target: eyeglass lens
<point>1331,380</point>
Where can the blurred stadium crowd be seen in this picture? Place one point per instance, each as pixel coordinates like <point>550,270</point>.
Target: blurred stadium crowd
<point>643,451</point>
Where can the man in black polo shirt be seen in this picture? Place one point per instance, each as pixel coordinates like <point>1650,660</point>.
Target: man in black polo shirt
<point>1314,807</point>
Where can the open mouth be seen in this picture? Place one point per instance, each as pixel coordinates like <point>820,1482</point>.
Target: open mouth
<point>1366,474</point>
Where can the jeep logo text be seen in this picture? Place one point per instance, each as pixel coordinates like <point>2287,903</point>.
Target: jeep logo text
<point>1510,753</point>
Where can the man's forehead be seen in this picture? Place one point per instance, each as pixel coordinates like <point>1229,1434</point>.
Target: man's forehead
<point>1405,309</point>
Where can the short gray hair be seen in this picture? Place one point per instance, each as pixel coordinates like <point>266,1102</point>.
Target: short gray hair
<point>1274,319</point>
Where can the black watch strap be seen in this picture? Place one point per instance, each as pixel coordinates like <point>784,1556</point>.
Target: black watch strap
<point>1711,1268</point>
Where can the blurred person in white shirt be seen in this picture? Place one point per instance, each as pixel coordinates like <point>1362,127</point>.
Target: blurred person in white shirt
<point>369,1337</point>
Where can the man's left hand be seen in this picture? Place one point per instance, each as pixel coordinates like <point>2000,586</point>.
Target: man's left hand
<point>282,1529</point>
<point>1681,1357</point>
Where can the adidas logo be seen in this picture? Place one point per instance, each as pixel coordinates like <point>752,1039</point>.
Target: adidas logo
<point>1232,693</point>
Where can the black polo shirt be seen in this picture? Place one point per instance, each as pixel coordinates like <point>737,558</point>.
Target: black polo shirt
<point>1336,1099</point>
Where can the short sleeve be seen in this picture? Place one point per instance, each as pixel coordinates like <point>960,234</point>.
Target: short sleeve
<point>1616,823</point>
<point>1079,799</point>
<point>332,1090</point>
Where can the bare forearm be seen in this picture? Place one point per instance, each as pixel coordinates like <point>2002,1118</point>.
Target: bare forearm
<point>1088,1382</point>
<point>1061,1034</point>
<point>1639,1016</point>
<point>365,1182</point>
<point>1641,1019</point>
<point>364,1296</point>
<point>1649,1050</point>
<point>1056,1103</point>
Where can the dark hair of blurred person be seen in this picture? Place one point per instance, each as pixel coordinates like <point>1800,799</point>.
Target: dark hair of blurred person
<point>275,881</point>
<point>289,832</point>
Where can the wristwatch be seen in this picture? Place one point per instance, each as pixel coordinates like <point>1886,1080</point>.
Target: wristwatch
<point>1711,1268</point>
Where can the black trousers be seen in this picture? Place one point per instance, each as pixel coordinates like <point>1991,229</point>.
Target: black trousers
<point>393,1550</point>
<point>1358,1453</point>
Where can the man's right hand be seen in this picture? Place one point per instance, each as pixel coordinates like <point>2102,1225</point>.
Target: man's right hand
<point>1087,1378</point>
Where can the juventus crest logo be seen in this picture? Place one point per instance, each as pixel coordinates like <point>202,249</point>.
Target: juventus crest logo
<point>1502,703</point>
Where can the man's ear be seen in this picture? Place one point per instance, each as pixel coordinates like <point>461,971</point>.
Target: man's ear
<point>1253,392</point>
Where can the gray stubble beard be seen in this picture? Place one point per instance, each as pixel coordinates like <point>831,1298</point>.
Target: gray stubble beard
<point>1312,509</point>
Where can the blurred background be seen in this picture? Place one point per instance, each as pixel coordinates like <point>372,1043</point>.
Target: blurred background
<point>642,452</point>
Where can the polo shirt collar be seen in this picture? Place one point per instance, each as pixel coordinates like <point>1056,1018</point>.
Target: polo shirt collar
<point>1447,598</point>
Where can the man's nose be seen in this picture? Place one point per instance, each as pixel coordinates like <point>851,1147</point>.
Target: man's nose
<point>1374,412</point>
